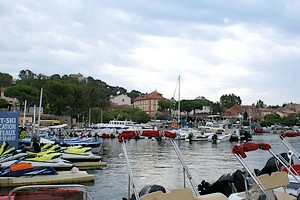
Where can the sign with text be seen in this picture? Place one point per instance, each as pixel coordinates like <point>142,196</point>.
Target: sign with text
<point>9,128</point>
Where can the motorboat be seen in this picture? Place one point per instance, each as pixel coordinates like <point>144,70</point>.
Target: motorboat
<point>157,192</point>
<point>185,133</point>
<point>61,192</point>
<point>268,183</point>
<point>221,136</point>
<point>274,185</point>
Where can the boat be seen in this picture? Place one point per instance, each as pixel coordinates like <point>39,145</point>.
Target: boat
<point>185,133</point>
<point>269,183</point>
<point>273,186</point>
<point>51,192</point>
<point>53,160</point>
<point>221,136</point>
<point>95,147</point>
<point>47,158</point>
<point>114,124</point>
<point>157,192</point>
<point>80,154</point>
<point>74,153</point>
<point>259,131</point>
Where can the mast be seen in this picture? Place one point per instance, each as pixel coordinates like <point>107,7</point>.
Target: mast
<point>24,115</point>
<point>179,99</point>
<point>39,113</point>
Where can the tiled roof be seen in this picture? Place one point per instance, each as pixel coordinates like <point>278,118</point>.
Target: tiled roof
<point>152,95</point>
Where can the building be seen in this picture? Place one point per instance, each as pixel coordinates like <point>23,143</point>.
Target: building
<point>293,106</point>
<point>239,110</point>
<point>121,100</point>
<point>148,102</point>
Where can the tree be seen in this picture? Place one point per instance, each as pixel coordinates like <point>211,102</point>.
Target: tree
<point>22,93</point>
<point>260,104</point>
<point>217,108</point>
<point>3,103</point>
<point>26,77</point>
<point>230,100</point>
<point>164,105</point>
<point>5,80</point>
<point>134,94</point>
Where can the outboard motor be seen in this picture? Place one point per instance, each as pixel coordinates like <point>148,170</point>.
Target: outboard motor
<point>226,184</point>
<point>151,188</point>
<point>214,138</point>
<point>272,165</point>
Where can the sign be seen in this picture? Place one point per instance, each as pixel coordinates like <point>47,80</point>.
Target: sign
<point>9,128</point>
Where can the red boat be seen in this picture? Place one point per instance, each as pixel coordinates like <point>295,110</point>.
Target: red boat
<point>258,131</point>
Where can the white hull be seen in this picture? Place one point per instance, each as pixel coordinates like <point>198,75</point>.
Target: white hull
<point>56,163</point>
<point>83,157</point>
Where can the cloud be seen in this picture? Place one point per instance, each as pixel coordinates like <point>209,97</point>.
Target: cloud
<point>248,48</point>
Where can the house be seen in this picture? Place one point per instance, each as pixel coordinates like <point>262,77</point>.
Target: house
<point>293,106</point>
<point>148,102</point>
<point>121,100</point>
<point>239,110</point>
<point>285,112</point>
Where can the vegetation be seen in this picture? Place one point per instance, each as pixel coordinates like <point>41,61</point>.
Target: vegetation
<point>66,95</point>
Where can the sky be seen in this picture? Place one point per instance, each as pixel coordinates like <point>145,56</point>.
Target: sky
<point>249,48</point>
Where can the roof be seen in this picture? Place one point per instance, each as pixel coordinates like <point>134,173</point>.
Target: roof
<point>152,95</point>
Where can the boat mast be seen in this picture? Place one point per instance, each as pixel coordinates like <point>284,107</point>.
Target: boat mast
<point>179,99</point>
<point>39,113</point>
<point>24,115</point>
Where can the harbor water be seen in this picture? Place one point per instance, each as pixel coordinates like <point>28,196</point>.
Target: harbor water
<point>156,162</point>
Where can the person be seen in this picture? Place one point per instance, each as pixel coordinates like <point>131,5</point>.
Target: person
<point>34,146</point>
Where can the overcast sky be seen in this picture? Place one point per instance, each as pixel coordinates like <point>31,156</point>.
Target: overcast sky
<point>250,48</point>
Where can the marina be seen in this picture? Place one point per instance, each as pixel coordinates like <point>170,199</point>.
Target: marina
<point>155,162</point>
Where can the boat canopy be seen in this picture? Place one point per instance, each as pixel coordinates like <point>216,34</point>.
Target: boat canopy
<point>127,134</point>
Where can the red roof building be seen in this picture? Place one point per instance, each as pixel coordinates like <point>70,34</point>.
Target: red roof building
<point>148,102</point>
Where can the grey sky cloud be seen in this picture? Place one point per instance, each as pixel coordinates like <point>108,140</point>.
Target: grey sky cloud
<point>249,48</point>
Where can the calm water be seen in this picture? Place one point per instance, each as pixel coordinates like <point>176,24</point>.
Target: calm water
<point>156,162</point>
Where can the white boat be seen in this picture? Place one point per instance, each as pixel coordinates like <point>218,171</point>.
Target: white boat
<point>221,135</point>
<point>114,124</point>
<point>185,133</point>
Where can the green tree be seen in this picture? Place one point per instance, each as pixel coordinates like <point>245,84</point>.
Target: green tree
<point>164,105</point>
<point>217,108</point>
<point>22,93</point>
<point>230,100</point>
<point>5,80</point>
<point>61,97</point>
<point>260,104</point>
<point>3,103</point>
<point>27,77</point>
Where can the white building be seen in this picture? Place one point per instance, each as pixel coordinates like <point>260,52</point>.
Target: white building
<point>121,100</point>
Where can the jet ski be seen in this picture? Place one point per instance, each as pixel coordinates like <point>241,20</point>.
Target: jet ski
<point>42,159</point>
<point>79,154</point>
<point>20,168</point>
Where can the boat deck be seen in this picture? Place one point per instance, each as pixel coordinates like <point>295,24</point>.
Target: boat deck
<point>63,177</point>
<point>90,165</point>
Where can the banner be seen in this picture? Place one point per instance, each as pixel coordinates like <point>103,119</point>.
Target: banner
<point>9,128</point>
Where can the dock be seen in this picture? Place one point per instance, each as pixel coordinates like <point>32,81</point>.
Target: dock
<point>63,177</point>
<point>90,165</point>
